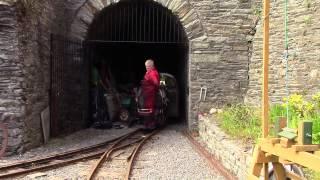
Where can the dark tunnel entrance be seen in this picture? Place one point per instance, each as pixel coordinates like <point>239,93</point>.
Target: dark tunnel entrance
<point>123,35</point>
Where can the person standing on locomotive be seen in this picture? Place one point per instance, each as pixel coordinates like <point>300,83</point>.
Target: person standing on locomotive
<point>150,86</point>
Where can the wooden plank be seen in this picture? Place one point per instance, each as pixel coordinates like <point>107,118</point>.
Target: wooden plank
<point>284,161</point>
<point>300,133</point>
<point>317,153</point>
<point>275,140</point>
<point>306,147</point>
<point>262,157</point>
<point>272,140</point>
<point>286,143</point>
<point>266,159</point>
<point>303,158</point>
<point>255,168</point>
<point>279,171</point>
<point>265,83</point>
<point>265,171</point>
<point>253,177</point>
<point>294,176</point>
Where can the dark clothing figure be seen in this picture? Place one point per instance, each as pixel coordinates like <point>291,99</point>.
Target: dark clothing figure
<point>99,106</point>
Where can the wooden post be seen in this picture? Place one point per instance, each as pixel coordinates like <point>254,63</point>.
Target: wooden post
<point>265,96</point>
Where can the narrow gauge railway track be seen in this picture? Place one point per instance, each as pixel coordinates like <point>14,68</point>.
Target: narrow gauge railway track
<point>127,148</point>
<point>60,159</point>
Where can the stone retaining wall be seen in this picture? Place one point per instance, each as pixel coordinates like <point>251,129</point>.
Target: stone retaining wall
<point>233,154</point>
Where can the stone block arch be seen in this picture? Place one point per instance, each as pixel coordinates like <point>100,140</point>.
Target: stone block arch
<point>188,17</point>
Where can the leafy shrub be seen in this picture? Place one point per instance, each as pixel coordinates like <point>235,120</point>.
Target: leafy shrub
<point>244,121</point>
<point>240,120</point>
<point>277,111</point>
<point>300,109</point>
<point>316,100</point>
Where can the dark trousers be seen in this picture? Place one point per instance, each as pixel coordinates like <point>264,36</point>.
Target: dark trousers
<point>99,105</point>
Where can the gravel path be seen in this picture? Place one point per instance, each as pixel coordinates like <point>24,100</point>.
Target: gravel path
<point>168,155</point>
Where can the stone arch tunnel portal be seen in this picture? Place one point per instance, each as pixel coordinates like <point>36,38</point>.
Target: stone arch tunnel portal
<point>123,35</point>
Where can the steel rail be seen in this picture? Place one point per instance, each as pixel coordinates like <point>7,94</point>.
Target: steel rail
<point>61,163</point>
<point>107,154</point>
<point>132,156</point>
<point>116,146</point>
<point>58,157</point>
<point>52,165</point>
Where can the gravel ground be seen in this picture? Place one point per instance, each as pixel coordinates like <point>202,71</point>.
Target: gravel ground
<point>168,155</point>
<point>76,140</point>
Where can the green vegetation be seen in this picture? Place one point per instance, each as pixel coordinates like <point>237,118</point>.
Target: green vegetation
<point>257,10</point>
<point>244,121</point>
<point>307,20</point>
<point>241,121</point>
<point>301,109</point>
<point>310,174</point>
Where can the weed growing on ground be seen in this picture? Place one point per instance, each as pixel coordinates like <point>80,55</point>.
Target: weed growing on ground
<point>240,120</point>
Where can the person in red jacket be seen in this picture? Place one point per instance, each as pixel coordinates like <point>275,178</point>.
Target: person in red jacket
<point>150,87</point>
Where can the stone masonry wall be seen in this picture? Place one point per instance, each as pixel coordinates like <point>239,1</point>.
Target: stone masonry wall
<point>233,154</point>
<point>304,49</point>
<point>218,32</point>
<point>12,103</point>
<point>34,20</point>
<point>24,63</point>
<point>220,62</point>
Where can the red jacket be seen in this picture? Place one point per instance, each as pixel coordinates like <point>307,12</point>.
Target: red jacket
<point>150,87</point>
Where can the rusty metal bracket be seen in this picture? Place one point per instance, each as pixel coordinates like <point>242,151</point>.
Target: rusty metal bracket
<point>203,91</point>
